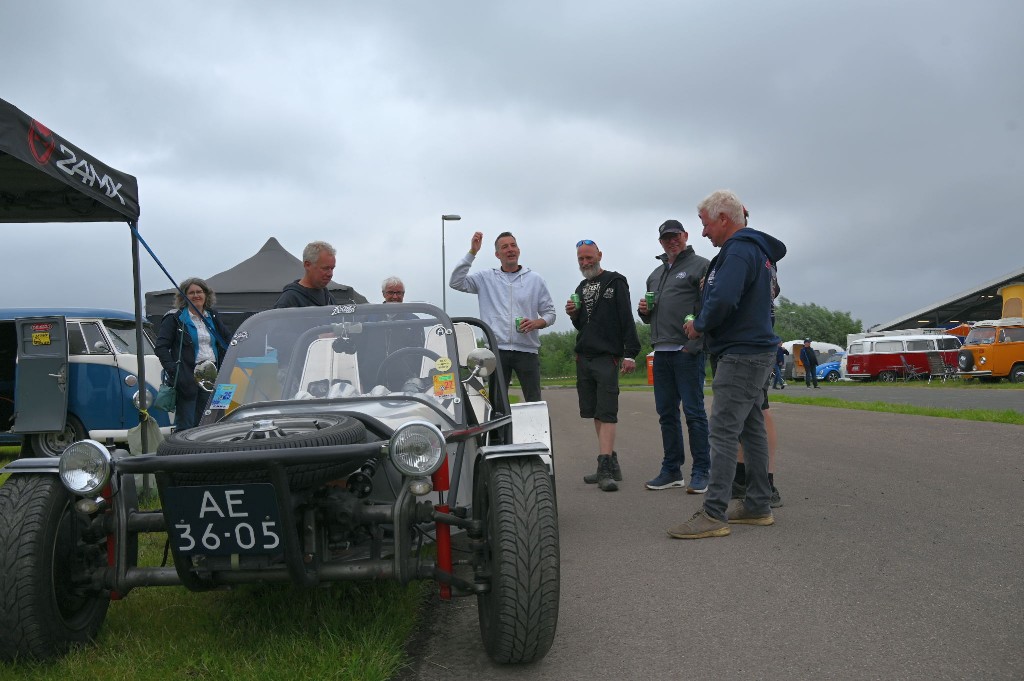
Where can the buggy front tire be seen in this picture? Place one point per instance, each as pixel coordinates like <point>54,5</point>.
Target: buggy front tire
<point>47,602</point>
<point>515,499</point>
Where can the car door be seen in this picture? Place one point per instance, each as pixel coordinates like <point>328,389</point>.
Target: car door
<point>41,379</point>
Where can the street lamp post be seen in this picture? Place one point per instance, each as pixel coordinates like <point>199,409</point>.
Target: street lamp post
<point>444,284</point>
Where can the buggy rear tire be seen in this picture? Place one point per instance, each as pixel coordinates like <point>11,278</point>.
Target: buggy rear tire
<point>515,498</point>
<point>47,603</point>
<point>305,430</point>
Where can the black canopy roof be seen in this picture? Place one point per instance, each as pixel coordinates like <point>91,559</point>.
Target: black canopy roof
<point>45,178</point>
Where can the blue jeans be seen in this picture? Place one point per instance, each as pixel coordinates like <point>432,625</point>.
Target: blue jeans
<point>736,417</point>
<point>189,410</point>
<point>777,380</point>
<point>679,377</point>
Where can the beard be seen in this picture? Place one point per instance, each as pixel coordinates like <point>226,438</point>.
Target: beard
<point>590,271</point>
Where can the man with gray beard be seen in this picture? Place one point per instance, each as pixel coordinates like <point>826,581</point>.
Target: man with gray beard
<point>606,344</point>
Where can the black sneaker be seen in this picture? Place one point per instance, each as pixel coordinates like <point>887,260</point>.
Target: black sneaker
<point>776,499</point>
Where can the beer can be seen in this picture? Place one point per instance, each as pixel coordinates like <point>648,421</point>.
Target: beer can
<point>519,320</point>
<point>650,300</point>
<point>575,298</point>
<point>688,318</point>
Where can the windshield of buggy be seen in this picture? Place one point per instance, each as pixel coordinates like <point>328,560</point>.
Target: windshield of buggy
<point>352,353</point>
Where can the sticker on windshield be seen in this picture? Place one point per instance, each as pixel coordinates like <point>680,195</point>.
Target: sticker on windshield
<point>222,396</point>
<point>444,385</point>
<point>443,364</point>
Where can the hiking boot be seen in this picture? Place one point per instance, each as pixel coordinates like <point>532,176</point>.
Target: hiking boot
<point>776,499</point>
<point>701,525</point>
<point>665,480</point>
<point>738,491</point>
<point>604,474</point>
<point>592,478</point>
<point>738,514</point>
<point>698,483</point>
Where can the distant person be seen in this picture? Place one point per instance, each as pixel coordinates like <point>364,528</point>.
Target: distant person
<point>810,362</point>
<point>508,293</point>
<point>188,336</point>
<point>389,340</point>
<point>679,363</point>
<point>735,320</point>
<point>318,261</point>
<point>778,382</point>
<point>606,343</point>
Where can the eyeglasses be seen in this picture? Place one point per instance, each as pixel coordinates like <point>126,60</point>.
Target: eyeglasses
<point>585,242</point>
<point>394,293</point>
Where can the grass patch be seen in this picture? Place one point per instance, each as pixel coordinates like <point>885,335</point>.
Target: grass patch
<point>988,415</point>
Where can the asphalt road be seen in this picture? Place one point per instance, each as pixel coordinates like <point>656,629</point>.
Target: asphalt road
<point>899,554</point>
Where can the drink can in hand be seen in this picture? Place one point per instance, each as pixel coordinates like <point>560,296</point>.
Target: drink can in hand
<point>649,296</point>
<point>688,318</point>
<point>575,298</point>
<point>519,321</point>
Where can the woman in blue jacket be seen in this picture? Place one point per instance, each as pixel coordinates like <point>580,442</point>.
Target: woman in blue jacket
<point>190,334</point>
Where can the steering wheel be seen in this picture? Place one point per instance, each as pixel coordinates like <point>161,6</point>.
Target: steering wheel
<point>404,352</point>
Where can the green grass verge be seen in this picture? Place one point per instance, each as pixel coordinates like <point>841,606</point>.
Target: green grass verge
<point>988,415</point>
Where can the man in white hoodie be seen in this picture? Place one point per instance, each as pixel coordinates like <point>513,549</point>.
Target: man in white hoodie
<point>507,293</point>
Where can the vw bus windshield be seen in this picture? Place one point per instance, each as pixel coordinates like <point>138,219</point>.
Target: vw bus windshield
<point>981,335</point>
<point>344,352</point>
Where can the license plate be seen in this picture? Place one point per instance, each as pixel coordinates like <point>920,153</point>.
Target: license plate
<point>221,520</point>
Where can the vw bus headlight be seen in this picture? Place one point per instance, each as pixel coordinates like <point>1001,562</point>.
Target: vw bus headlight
<point>417,449</point>
<point>85,467</point>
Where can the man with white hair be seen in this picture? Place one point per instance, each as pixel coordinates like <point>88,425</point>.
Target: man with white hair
<point>318,261</point>
<point>735,320</point>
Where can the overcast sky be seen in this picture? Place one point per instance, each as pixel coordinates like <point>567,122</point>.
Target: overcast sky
<point>883,142</point>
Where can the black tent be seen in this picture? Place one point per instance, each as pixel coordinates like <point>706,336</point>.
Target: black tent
<point>250,286</point>
<point>45,178</point>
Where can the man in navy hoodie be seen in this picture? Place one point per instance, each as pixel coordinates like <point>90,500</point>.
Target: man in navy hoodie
<point>735,320</point>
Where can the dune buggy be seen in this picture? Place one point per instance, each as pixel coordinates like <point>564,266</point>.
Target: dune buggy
<point>338,441</point>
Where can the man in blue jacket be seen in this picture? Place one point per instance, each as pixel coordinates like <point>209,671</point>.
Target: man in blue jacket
<point>735,320</point>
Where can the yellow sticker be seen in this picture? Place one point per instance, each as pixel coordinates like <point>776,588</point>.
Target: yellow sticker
<point>443,364</point>
<point>40,339</point>
<point>444,385</point>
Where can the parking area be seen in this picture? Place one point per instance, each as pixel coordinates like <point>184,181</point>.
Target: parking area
<point>896,555</point>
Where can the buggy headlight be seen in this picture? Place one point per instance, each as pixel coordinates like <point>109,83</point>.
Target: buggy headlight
<point>85,467</point>
<point>417,448</point>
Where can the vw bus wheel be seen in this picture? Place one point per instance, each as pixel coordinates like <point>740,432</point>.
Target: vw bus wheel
<point>47,603</point>
<point>515,498</point>
<point>1017,373</point>
<point>54,444</point>
<point>887,377</point>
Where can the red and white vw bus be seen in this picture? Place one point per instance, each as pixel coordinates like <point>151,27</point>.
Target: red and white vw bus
<point>881,357</point>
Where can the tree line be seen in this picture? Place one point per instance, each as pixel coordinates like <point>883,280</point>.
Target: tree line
<point>792,321</point>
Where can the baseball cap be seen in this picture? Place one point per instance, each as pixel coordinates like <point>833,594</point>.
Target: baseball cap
<point>671,226</point>
<point>807,340</point>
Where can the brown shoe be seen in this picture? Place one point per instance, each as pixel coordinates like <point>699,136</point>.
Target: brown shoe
<point>701,525</point>
<point>737,514</point>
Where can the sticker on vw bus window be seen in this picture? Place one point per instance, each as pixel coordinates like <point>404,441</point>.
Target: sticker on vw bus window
<point>222,396</point>
<point>443,364</point>
<point>40,339</point>
<point>444,385</point>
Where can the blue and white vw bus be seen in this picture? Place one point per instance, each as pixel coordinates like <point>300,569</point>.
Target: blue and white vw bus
<point>71,373</point>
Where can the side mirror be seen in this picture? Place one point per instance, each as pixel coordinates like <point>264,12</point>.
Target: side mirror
<point>481,362</point>
<point>206,375</point>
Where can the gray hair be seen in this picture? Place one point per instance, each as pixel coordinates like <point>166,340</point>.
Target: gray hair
<point>725,202</point>
<point>390,281</point>
<point>311,253</point>
<point>211,297</point>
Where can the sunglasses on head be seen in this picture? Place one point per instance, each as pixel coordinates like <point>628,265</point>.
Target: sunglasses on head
<point>585,242</point>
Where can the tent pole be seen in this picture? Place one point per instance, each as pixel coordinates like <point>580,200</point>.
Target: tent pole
<point>140,348</point>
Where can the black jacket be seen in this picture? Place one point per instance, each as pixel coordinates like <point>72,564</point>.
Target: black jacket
<point>297,295</point>
<point>174,334</point>
<point>605,325</point>
<point>677,294</point>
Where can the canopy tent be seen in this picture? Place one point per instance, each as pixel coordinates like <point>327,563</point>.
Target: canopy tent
<point>45,178</point>
<point>251,286</point>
